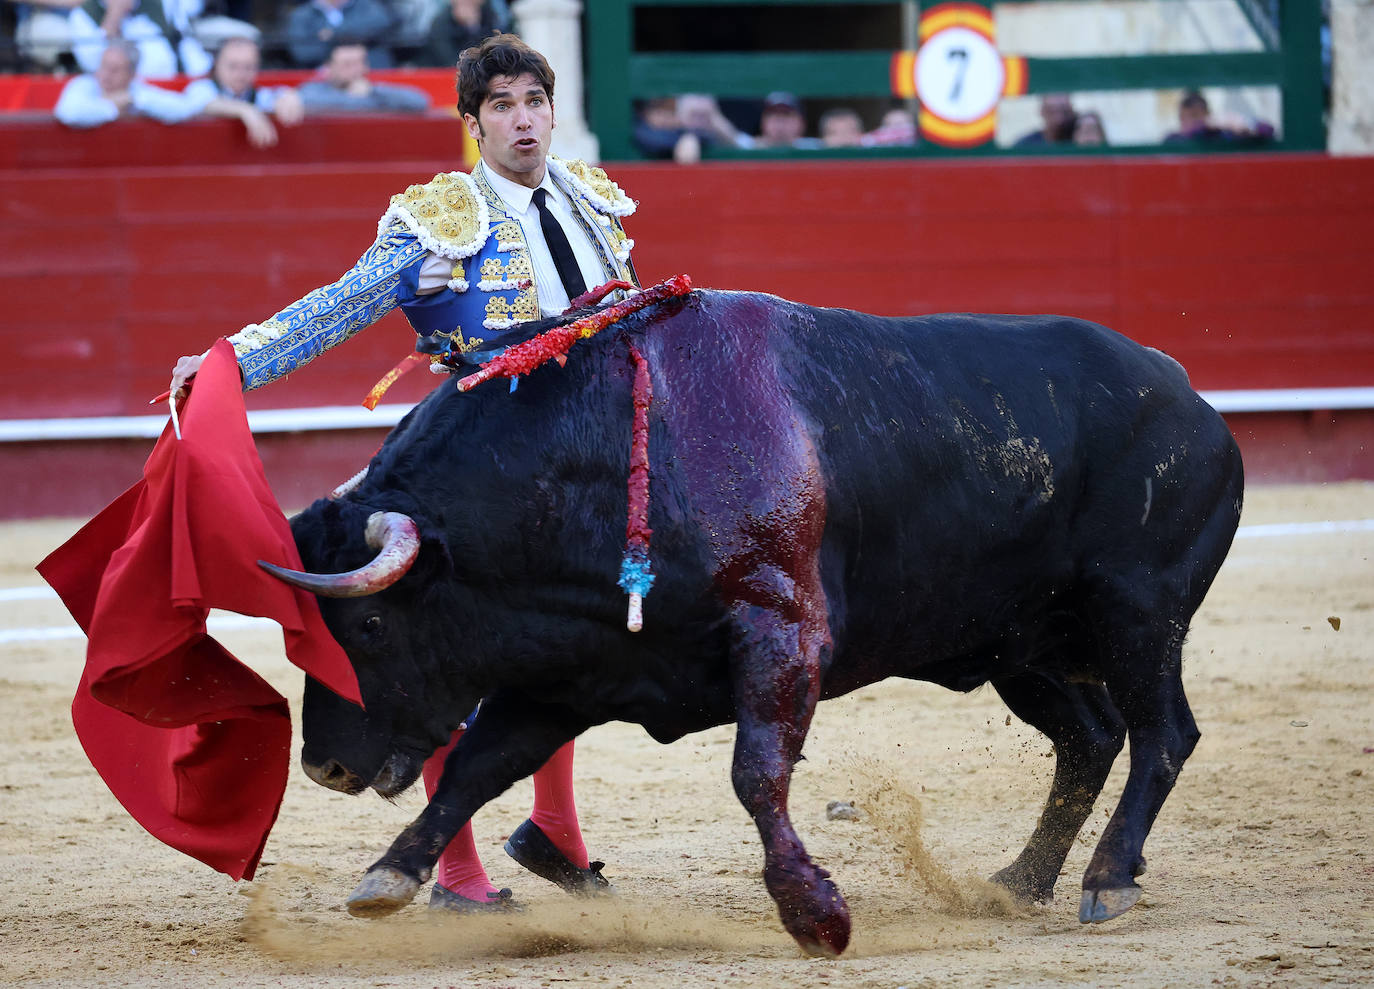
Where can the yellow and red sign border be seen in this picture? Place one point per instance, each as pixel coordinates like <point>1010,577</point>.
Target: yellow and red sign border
<point>939,130</point>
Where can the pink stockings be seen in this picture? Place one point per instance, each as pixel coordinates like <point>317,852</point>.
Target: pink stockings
<point>460,871</point>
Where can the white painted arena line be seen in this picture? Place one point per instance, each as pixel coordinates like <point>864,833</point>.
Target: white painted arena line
<point>216,625</point>
<point>39,593</point>
<point>16,635</point>
<point>231,622</point>
<point>1303,528</point>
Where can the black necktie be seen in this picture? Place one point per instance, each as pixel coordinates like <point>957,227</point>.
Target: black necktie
<point>563,259</point>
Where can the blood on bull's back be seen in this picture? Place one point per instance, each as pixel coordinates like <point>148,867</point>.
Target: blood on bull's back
<point>977,471</point>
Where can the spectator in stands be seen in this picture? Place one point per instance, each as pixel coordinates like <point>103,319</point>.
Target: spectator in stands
<point>657,129</point>
<point>461,25</point>
<point>841,128</point>
<point>42,32</point>
<point>782,124</point>
<point>1194,119</point>
<point>1195,126</point>
<point>113,90</point>
<point>1088,130</point>
<point>701,115</point>
<point>898,127</point>
<point>160,28</point>
<point>346,88</point>
<point>682,127</point>
<point>1057,117</point>
<point>317,26</point>
<point>213,29</point>
<point>231,90</point>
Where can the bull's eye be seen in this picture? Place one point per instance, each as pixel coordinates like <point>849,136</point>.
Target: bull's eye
<point>372,626</point>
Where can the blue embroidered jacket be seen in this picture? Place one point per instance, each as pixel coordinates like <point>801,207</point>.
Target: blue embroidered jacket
<point>461,219</point>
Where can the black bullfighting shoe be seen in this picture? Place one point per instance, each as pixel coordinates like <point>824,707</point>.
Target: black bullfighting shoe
<point>532,848</point>
<point>443,898</point>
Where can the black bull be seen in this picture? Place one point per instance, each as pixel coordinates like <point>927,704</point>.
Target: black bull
<point>1031,501</point>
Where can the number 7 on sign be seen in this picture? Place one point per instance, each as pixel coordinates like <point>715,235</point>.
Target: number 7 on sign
<point>960,57</point>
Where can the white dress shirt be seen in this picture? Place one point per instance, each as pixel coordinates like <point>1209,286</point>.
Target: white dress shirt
<point>84,104</point>
<point>519,200</point>
<point>203,92</point>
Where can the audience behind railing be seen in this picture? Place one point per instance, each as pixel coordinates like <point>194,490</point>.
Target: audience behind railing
<point>180,38</point>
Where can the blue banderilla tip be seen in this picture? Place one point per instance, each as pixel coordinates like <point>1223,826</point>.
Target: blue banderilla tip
<point>636,576</point>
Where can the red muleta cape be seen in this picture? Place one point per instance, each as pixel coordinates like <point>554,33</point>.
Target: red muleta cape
<point>194,744</point>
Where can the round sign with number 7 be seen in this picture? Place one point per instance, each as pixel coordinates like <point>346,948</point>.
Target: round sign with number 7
<point>958,75</point>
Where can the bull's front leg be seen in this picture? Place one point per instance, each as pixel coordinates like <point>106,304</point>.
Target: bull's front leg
<point>511,739</point>
<point>776,663</point>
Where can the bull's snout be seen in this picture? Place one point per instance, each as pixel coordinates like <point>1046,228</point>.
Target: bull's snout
<point>399,773</point>
<point>335,776</point>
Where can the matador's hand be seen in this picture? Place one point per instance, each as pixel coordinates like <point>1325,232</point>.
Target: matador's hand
<point>184,371</point>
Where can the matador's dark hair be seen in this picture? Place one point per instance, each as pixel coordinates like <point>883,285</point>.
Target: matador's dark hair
<point>499,55</point>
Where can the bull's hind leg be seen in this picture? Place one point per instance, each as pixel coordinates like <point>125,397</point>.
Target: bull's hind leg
<point>1145,685</point>
<point>776,679</point>
<point>1087,733</point>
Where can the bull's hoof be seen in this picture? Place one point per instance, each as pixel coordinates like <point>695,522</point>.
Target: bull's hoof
<point>1099,905</point>
<point>383,891</point>
<point>820,923</point>
<point>1023,887</point>
<point>817,948</point>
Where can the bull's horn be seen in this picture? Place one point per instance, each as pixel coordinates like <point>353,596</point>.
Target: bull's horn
<point>396,539</point>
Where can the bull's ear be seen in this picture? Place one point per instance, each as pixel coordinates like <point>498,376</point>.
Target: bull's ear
<point>435,562</point>
<point>330,522</point>
<point>321,530</point>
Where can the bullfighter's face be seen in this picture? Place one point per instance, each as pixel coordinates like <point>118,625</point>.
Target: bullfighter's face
<point>513,128</point>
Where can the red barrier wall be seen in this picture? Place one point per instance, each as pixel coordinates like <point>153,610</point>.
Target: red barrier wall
<point>1254,271</point>
<point>20,92</point>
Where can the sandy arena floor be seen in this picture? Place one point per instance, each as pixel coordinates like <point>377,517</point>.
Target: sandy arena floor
<point>1261,867</point>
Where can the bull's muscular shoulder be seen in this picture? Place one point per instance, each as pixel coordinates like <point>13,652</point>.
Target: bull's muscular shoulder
<point>593,185</point>
<point>447,215</point>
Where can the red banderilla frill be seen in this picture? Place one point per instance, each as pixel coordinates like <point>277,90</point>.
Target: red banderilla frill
<point>636,575</point>
<point>522,358</point>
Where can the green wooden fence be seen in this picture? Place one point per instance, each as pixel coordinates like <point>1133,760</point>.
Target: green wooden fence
<point>617,75</point>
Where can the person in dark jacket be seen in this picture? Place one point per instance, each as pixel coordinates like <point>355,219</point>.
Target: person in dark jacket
<point>1058,116</point>
<point>461,25</point>
<point>345,88</point>
<point>316,26</point>
<point>1195,126</point>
